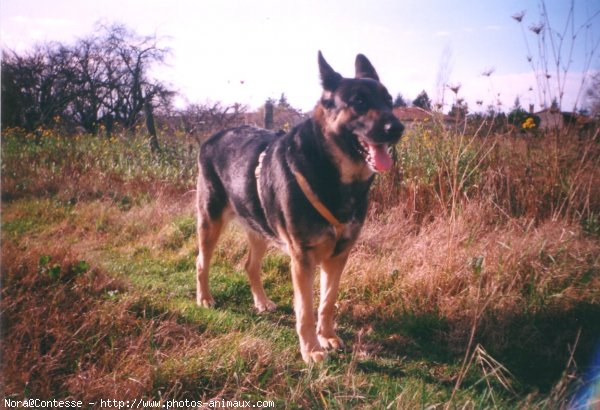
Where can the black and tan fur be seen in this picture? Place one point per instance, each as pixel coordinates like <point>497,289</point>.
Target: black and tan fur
<point>256,176</point>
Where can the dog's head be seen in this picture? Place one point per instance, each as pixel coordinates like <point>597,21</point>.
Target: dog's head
<point>356,114</point>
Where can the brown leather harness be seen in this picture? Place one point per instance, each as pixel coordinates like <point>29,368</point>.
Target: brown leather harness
<point>310,195</point>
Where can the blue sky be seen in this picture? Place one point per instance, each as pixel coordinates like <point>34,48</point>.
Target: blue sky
<point>248,51</point>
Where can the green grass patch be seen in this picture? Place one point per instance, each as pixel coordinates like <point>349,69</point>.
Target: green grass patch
<point>33,216</point>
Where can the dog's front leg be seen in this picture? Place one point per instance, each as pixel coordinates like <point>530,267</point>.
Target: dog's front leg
<point>331,272</point>
<point>302,277</point>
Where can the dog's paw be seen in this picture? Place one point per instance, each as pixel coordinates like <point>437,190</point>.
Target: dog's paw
<point>206,302</point>
<point>314,356</point>
<point>265,306</point>
<point>330,343</point>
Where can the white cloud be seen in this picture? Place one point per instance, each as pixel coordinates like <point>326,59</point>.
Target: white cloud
<point>45,21</point>
<point>21,32</point>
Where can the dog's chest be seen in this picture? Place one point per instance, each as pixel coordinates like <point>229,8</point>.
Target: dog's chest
<point>352,201</point>
<point>351,207</point>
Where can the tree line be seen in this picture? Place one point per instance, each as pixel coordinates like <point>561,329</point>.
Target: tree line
<point>99,81</point>
<point>104,80</point>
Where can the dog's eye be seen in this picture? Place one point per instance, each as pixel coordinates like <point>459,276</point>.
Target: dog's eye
<point>359,103</point>
<point>328,103</point>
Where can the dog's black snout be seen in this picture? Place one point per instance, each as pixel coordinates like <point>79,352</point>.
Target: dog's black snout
<point>393,128</point>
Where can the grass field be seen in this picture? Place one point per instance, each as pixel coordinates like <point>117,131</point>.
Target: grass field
<point>475,283</point>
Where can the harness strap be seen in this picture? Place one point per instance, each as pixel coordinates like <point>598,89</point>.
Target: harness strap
<point>257,177</point>
<point>338,227</point>
<point>259,166</point>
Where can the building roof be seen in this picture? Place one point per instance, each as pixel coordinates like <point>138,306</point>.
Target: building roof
<point>412,114</point>
<point>548,111</point>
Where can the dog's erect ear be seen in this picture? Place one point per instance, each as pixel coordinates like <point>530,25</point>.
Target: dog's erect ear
<point>364,68</point>
<point>329,78</point>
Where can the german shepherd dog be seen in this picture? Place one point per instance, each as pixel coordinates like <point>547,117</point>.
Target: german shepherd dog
<point>305,191</point>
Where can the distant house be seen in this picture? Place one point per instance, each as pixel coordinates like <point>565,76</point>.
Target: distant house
<point>411,116</point>
<point>284,118</point>
<point>551,118</point>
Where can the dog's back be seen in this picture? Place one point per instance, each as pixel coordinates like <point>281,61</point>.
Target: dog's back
<point>227,164</point>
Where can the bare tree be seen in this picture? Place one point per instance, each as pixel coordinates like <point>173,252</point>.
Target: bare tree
<point>89,105</point>
<point>128,58</point>
<point>204,119</point>
<point>35,86</point>
<point>593,95</point>
<point>102,79</point>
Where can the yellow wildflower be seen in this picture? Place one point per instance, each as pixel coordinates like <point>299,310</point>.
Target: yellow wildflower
<point>528,123</point>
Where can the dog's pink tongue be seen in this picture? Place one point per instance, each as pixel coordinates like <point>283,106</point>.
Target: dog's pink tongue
<point>381,158</point>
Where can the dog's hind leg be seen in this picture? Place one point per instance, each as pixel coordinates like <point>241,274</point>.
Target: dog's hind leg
<point>208,235</point>
<point>331,272</point>
<point>213,212</point>
<point>258,247</point>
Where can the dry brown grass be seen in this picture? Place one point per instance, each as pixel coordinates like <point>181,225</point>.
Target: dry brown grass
<point>507,261</point>
<point>65,332</point>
